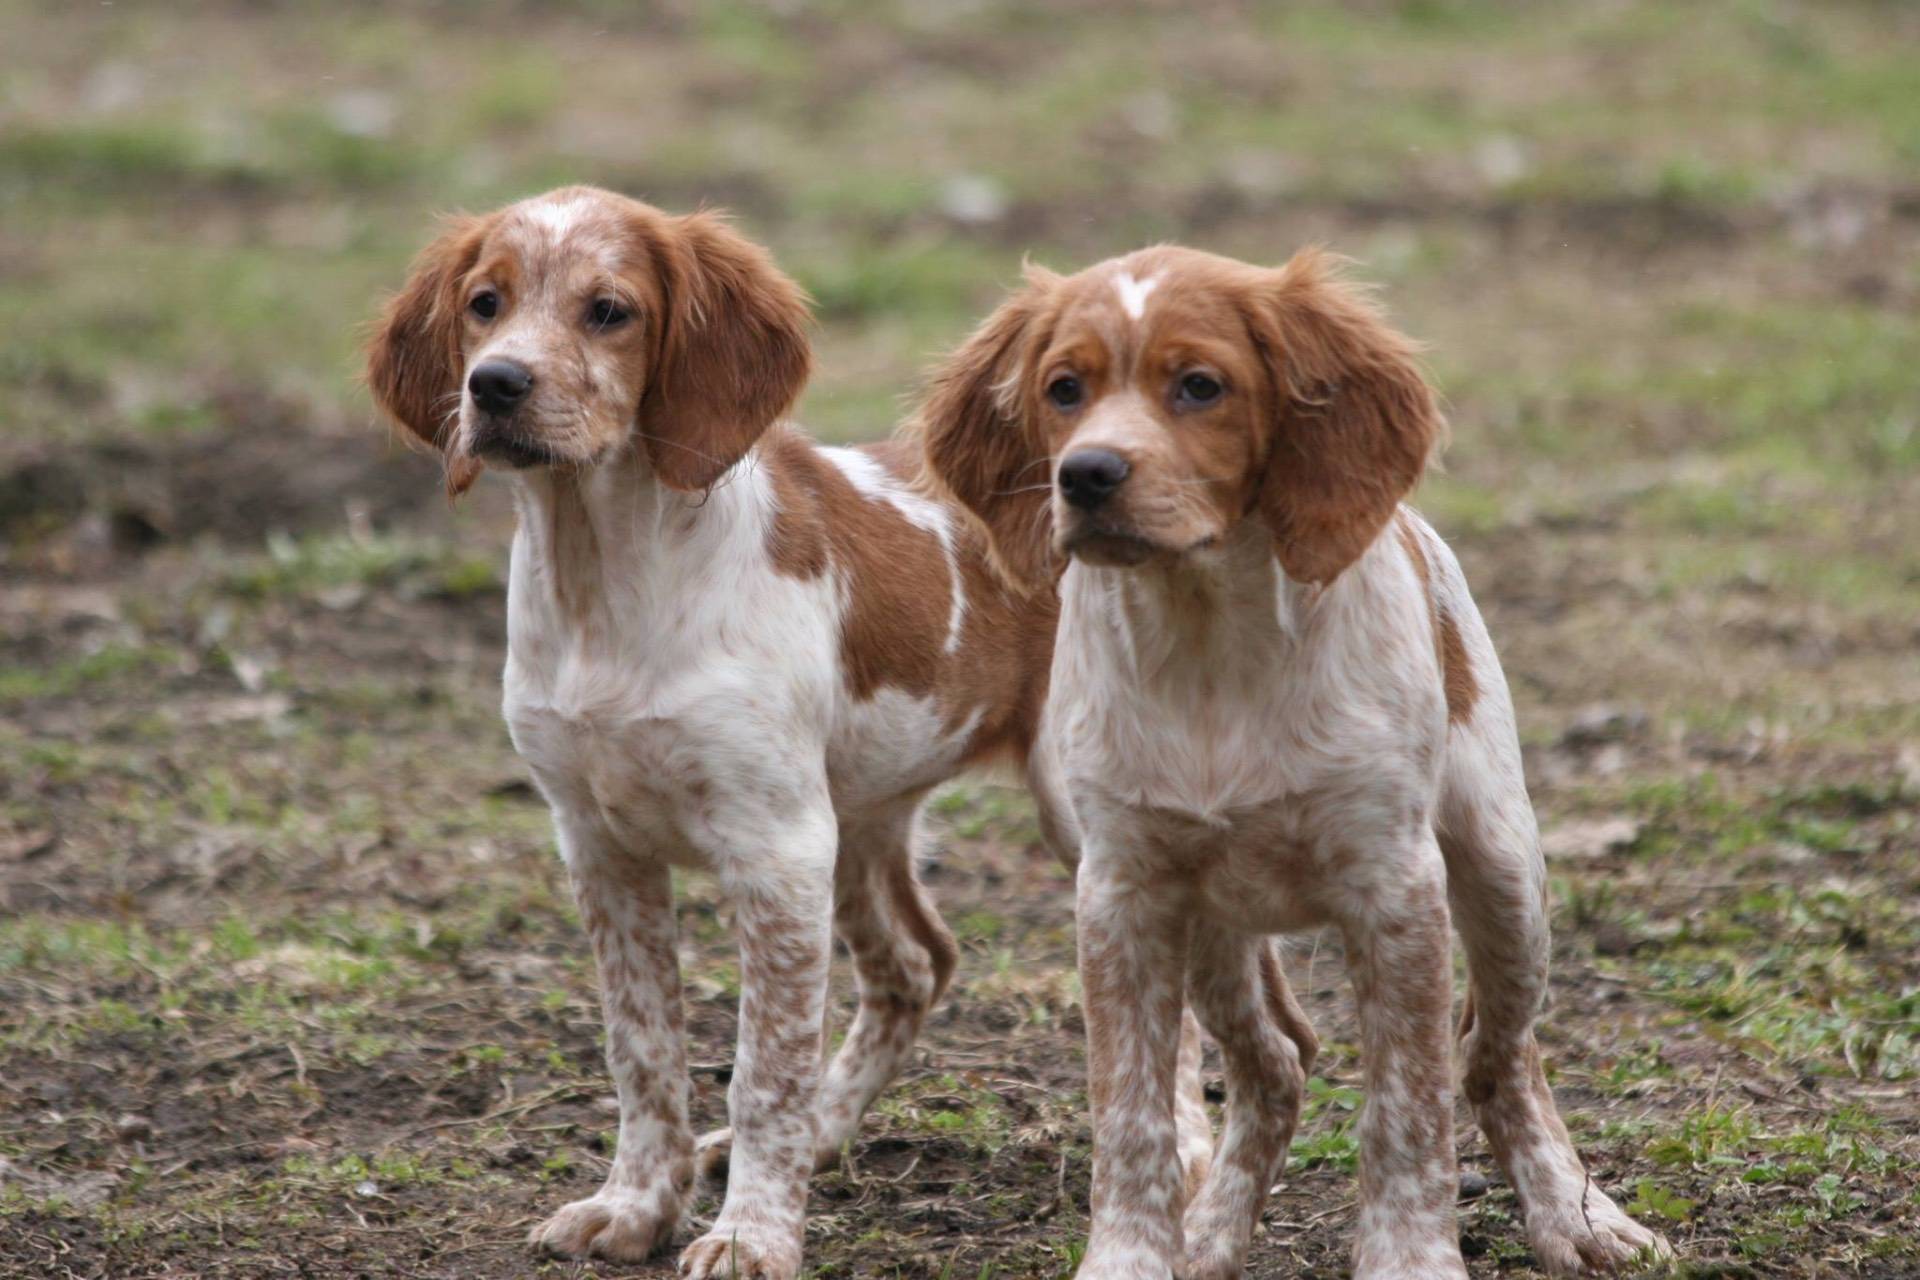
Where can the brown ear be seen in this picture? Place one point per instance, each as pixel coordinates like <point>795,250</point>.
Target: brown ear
<point>978,437</point>
<point>413,361</point>
<point>733,350</point>
<point>1356,418</point>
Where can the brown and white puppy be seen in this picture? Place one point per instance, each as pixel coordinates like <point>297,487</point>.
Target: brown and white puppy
<point>728,648</point>
<point>1274,707</point>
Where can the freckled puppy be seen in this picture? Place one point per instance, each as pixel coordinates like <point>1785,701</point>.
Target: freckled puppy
<point>1274,706</point>
<point>728,648</point>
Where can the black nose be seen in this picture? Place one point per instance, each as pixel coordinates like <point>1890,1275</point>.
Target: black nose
<point>499,385</point>
<point>1088,477</point>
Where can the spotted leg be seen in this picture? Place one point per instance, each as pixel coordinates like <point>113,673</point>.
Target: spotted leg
<point>626,907</point>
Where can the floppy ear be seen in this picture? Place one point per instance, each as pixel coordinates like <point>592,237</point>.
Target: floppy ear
<point>413,361</point>
<point>1356,419</point>
<point>978,437</point>
<point>732,350</point>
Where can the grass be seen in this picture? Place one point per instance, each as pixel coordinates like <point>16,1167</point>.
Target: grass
<point>332,191</point>
<point>337,568</point>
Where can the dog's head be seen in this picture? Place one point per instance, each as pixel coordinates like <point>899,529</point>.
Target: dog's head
<point>556,330</point>
<point>1142,408</point>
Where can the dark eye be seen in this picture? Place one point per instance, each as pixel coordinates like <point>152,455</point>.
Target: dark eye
<point>1200,388</point>
<point>485,304</point>
<point>1066,391</point>
<point>607,313</point>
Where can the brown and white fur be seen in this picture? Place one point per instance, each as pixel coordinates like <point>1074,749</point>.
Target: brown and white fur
<point>728,648</point>
<point>1274,707</point>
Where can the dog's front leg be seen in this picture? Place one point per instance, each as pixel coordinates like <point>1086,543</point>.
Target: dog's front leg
<point>783,912</point>
<point>626,906</point>
<point>1133,944</point>
<point>1399,949</point>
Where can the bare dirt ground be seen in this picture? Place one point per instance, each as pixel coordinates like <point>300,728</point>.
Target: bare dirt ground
<point>289,984</point>
<point>292,987</point>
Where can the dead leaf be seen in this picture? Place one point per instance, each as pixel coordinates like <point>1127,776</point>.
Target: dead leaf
<point>1589,838</point>
<point>80,1191</point>
<point>18,846</point>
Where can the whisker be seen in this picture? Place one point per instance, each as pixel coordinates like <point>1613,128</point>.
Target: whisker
<point>675,444</point>
<point>724,477</point>
<point>449,421</point>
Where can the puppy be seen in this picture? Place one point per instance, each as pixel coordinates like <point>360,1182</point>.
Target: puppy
<point>1274,707</point>
<point>728,648</point>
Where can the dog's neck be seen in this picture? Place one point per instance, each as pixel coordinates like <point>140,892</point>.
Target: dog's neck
<point>610,542</point>
<point>1203,606</point>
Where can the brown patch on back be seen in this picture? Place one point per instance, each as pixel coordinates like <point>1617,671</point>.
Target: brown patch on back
<point>895,572</point>
<point>1456,673</point>
<point>797,540</point>
<point>1005,655</point>
<point>900,600</point>
<point>1001,665</point>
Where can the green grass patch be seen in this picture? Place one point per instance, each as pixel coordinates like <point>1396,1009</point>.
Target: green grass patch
<point>109,667</point>
<point>320,564</point>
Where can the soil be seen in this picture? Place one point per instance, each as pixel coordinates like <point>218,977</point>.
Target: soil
<point>417,1119</point>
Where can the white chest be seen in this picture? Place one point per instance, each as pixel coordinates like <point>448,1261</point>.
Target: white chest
<point>1221,690</point>
<point>661,677</point>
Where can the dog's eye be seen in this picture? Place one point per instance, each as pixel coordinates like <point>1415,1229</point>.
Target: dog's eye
<point>485,304</point>
<point>606,313</point>
<point>1200,388</point>
<point>1066,391</point>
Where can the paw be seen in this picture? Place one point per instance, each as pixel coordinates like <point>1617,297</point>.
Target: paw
<point>1213,1262</point>
<point>1217,1229</point>
<point>742,1253</point>
<point>1437,1269</point>
<point>1603,1241</point>
<point>625,1226</point>
<point>1436,1258</point>
<point>1216,1249</point>
<point>1130,1265</point>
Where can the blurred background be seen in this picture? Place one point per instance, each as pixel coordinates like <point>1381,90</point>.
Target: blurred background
<point>288,981</point>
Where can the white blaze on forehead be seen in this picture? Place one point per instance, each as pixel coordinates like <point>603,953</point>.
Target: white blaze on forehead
<point>561,232</point>
<point>555,217</point>
<point>1133,293</point>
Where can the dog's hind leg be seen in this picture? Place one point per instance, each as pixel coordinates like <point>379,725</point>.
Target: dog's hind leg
<point>1496,881</point>
<point>903,957</point>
